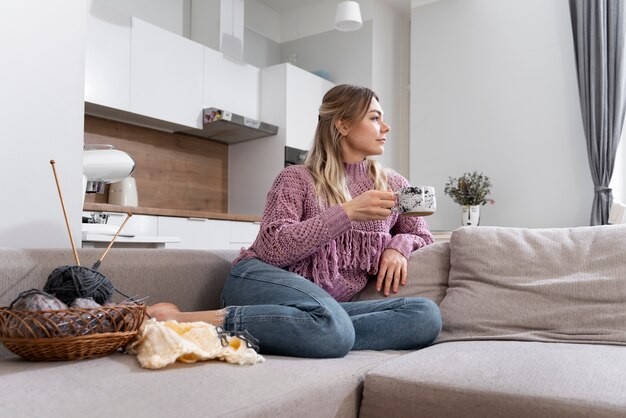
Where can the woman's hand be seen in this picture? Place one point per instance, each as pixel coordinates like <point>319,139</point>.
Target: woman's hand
<point>372,205</point>
<point>391,271</point>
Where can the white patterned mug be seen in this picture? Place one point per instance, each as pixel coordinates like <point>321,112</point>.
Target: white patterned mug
<point>415,201</point>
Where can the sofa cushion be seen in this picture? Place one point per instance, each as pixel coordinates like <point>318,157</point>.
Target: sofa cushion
<point>117,386</point>
<point>500,379</point>
<point>427,275</point>
<point>561,284</point>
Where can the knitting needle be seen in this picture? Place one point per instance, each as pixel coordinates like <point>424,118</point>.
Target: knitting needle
<point>67,222</point>
<point>97,263</point>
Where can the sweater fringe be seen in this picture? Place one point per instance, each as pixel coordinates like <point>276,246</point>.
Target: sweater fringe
<point>359,252</point>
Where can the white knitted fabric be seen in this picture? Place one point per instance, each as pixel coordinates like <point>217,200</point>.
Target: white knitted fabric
<point>160,344</point>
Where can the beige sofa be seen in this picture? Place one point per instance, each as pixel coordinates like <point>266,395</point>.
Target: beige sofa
<point>534,325</point>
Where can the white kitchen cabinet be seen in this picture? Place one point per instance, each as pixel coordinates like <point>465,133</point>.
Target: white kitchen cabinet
<point>289,97</point>
<point>177,232</point>
<point>139,68</point>
<point>107,57</point>
<point>243,234</point>
<point>303,96</point>
<point>230,85</point>
<point>141,231</point>
<point>166,75</point>
<point>143,225</point>
<point>196,233</point>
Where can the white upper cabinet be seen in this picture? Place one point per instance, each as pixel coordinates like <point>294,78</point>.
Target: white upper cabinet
<point>290,98</point>
<point>143,69</point>
<point>166,77</point>
<point>107,57</point>
<point>230,85</point>
<point>304,95</point>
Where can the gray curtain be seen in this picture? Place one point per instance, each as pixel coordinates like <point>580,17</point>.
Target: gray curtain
<point>599,28</point>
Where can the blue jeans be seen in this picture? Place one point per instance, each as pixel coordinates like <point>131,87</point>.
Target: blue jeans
<point>292,316</point>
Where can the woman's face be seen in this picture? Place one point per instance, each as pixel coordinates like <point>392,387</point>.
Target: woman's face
<point>367,137</point>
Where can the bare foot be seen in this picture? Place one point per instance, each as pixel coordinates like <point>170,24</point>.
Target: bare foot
<point>168,311</point>
<point>163,311</point>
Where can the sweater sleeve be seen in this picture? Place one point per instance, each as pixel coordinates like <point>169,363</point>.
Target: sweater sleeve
<point>285,237</point>
<point>409,233</point>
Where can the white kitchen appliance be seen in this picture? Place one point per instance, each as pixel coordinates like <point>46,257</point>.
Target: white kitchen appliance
<point>124,192</point>
<point>104,164</point>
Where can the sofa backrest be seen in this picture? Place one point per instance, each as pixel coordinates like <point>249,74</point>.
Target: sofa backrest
<point>190,278</point>
<point>427,273</point>
<point>558,284</point>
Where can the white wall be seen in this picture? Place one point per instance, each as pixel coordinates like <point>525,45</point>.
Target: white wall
<point>205,22</point>
<point>260,51</point>
<point>311,20</point>
<point>262,20</point>
<point>167,14</point>
<point>390,80</point>
<point>253,165</point>
<point>42,84</point>
<point>383,43</point>
<point>493,89</point>
<point>346,56</point>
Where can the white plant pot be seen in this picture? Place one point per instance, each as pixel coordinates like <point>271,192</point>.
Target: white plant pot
<point>470,215</point>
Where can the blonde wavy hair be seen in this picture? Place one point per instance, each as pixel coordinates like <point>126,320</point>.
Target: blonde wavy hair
<point>349,104</point>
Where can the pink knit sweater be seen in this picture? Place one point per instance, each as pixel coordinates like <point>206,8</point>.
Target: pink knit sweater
<point>322,244</point>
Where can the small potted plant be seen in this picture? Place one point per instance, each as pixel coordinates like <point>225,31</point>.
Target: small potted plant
<point>470,191</point>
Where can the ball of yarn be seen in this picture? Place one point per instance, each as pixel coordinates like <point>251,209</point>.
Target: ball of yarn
<point>36,300</point>
<point>70,282</point>
<point>85,303</point>
<point>27,326</point>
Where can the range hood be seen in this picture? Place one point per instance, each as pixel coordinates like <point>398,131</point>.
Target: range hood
<point>227,127</point>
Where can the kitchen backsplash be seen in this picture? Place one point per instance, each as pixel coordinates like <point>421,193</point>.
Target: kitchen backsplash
<point>173,171</point>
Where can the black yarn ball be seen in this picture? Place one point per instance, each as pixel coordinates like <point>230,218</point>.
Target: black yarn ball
<point>70,282</point>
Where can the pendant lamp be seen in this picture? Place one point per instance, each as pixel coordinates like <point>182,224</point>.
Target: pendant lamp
<point>348,16</point>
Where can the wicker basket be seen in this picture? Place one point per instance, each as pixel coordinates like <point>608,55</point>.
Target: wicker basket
<point>69,334</point>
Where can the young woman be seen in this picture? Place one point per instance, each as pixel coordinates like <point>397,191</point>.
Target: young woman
<point>326,228</point>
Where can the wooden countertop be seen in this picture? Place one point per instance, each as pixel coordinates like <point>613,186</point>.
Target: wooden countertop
<point>137,210</point>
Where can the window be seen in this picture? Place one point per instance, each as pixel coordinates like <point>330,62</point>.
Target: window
<point>618,181</point>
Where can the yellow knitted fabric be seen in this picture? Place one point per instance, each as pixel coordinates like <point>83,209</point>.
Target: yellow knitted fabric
<point>160,344</point>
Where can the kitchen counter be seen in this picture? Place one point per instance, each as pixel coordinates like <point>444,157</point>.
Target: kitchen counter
<point>102,241</point>
<point>138,210</point>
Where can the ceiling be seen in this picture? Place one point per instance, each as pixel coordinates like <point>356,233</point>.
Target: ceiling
<point>282,6</point>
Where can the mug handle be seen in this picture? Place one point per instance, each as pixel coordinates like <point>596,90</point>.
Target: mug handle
<point>395,208</point>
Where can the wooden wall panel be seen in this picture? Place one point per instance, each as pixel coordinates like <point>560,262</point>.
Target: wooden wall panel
<point>173,171</point>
